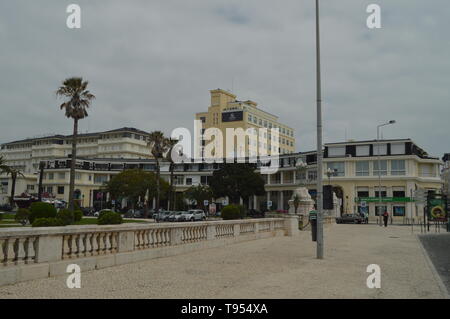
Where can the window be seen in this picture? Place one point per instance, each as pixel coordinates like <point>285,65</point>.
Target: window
<point>61,175</point>
<point>363,191</point>
<point>60,190</point>
<point>382,147</point>
<point>30,187</point>
<point>50,189</point>
<point>398,148</point>
<point>179,180</point>
<point>312,175</point>
<point>383,192</point>
<point>188,181</point>
<point>338,168</point>
<point>398,167</point>
<point>51,175</point>
<point>204,180</point>
<point>383,167</point>
<point>77,175</point>
<point>398,210</point>
<point>362,168</point>
<point>398,192</point>
<point>362,150</point>
<point>203,119</point>
<point>336,151</point>
<point>250,118</point>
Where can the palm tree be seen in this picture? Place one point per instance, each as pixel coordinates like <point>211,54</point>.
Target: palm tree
<point>14,172</point>
<point>3,167</point>
<point>78,100</point>
<point>171,144</point>
<point>159,145</point>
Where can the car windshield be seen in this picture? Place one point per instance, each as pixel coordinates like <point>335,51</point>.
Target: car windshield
<point>185,213</point>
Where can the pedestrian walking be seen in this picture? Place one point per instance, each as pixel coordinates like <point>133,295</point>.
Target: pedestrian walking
<point>385,218</point>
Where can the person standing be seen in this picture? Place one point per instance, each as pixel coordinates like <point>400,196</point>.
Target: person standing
<point>385,218</point>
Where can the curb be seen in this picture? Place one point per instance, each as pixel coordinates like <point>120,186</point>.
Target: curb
<point>437,277</point>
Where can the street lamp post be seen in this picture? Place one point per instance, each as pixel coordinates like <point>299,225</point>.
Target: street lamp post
<point>319,197</point>
<point>379,167</point>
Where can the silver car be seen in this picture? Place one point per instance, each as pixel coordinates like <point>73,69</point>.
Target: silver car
<point>194,215</point>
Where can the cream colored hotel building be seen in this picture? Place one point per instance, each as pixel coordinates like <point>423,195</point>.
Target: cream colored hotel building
<point>226,111</point>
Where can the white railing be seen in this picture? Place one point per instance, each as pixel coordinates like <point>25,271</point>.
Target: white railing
<point>21,247</point>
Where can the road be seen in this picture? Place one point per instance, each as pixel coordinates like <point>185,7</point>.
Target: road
<point>438,249</point>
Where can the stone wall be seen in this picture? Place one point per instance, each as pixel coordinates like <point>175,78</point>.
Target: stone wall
<point>32,253</point>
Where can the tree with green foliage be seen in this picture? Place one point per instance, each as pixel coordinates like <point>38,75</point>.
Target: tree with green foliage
<point>78,100</point>
<point>133,184</point>
<point>237,180</point>
<point>200,193</point>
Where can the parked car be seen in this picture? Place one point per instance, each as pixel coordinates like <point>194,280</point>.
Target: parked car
<point>254,213</point>
<point>350,219</point>
<point>175,216</point>
<point>162,216</point>
<point>194,215</point>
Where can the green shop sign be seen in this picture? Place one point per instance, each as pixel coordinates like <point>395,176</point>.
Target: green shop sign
<point>384,199</point>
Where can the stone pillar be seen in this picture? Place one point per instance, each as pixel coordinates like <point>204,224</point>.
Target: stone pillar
<point>175,236</point>
<point>211,232</point>
<point>255,202</point>
<point>154,203</point>
<point>291,225</point>
<point>237,230</point>
<point>49,248</point>
<point>126,241</point>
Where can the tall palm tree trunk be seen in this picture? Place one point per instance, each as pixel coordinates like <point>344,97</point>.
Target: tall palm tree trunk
<point>72,165</point>
<point>158,173</point>
<point>171,191</point>
<point>13,188</point>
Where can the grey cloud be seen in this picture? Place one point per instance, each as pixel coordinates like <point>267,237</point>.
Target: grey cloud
<point>151,64</point>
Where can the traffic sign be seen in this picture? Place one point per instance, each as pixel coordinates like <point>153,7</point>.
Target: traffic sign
<point>225,202</point>
<point>364,204</point>
<point>206,202</point>
<point>269,203</point>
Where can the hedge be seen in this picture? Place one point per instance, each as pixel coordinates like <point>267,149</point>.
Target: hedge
<point>41,210</point>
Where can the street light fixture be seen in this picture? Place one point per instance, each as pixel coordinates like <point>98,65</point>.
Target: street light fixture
<point>379,167</point>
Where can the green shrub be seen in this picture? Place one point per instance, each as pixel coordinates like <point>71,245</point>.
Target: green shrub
<point>77,215</point>
<point>231,212</point>
<point>66,216</point>
<point>47,222</point>
<point>41,210</point>
<point>22,216</point>
<point>109,218</point>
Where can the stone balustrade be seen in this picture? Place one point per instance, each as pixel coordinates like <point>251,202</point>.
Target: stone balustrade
<point>32,253</point>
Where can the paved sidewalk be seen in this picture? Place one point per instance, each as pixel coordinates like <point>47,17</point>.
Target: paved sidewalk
<point>282,267</point>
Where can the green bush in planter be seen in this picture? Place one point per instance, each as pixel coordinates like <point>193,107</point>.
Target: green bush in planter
<point>109,218</point>
<point>77,215</point>
<point>231,212</point>
<point>65,216</point>
<point>41,210</point>
<point>47,222</point>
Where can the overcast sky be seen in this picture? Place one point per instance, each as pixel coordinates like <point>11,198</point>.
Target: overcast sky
<point>152,63</point>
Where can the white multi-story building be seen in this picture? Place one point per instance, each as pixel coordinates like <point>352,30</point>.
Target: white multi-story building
<point>26,154</point>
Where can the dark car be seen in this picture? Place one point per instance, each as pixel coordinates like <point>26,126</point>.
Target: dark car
<point>350,219</point>
<point>254,213</point>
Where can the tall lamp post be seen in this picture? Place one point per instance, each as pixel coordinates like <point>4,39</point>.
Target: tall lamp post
<point>319,251</point>
<point>379,167</point>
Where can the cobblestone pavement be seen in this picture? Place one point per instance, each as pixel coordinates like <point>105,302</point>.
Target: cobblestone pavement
<point>282,267</point>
